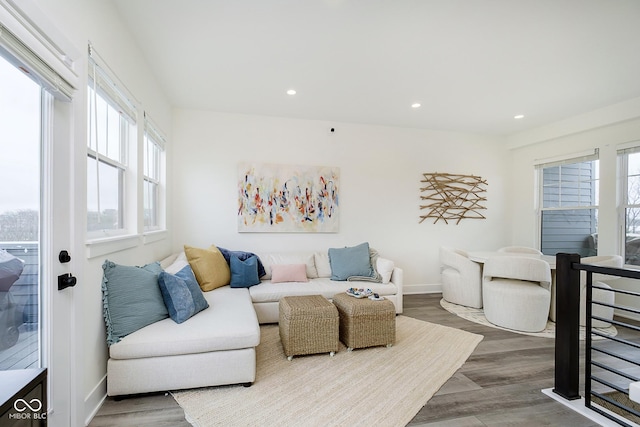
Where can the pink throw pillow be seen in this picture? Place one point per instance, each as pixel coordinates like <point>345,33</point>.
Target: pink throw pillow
<point>288,273</point>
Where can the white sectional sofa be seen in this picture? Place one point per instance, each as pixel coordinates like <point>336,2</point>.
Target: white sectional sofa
<point>214,347</point>
<point>217,345</point>
<point>266,295</point>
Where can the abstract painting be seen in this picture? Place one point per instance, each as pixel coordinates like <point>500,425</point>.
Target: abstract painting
<point>284,198</point>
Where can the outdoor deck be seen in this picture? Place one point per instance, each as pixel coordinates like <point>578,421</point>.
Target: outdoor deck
<point>23,299</point>
<point>24,354</point>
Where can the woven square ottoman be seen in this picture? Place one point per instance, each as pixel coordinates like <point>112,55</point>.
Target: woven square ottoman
<point>365,323</point>
<point>308,325</point>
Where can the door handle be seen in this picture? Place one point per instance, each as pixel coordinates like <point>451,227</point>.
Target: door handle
<point>65,281</point>
<point>64,257</point>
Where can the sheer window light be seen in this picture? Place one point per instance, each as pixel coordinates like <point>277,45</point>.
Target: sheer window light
<point>630,207</point>
<point>152,180</point>
<point>111,125</point>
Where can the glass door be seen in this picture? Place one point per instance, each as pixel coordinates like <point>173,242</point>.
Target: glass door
<point>35,204</point>
<point>20,212</point>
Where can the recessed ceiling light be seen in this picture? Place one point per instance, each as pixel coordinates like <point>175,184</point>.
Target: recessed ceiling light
<point>415,105</point>
<point>291,92</point>
<point>519,116</point>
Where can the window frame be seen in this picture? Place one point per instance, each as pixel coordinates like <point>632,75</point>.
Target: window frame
<point>623,205</point>
<point>540,167</point>
<point>153,153</point>
<point>104,85</point>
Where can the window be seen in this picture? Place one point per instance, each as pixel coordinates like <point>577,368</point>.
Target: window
<point>153,164</point>
<point>630,187</point>
<point>22,110</point>
<point>111,127</point>
<point>569,206</point>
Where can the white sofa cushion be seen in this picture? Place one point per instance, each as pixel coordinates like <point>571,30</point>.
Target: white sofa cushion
<point>269,259</point>
<point>323,266</point>
<point>385,267</point>
<point>177,263</point>
<point>267,291</point>
<point>229,323</point>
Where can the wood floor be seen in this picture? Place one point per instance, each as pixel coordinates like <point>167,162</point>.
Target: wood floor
<point>499,385</point>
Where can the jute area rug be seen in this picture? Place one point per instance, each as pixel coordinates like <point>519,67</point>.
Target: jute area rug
<point>376,386</point>
<point>477,315</point>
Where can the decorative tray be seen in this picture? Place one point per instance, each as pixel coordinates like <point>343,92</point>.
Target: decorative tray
<point>359,293</point>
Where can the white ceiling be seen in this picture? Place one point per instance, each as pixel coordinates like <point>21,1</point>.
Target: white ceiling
<point>472,64</point>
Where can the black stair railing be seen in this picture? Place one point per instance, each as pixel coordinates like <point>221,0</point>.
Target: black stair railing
<point>609,364</point>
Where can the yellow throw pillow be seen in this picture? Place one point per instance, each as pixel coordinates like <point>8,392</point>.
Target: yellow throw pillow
<point>209,266</point>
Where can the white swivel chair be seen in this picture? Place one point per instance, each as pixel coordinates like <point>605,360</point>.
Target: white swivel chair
<point>599,295</point>
<point>461,278</point>
<point>516,292</point>
<point>520,250</point>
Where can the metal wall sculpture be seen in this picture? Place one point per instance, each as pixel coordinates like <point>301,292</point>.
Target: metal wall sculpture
<point>452,197</point>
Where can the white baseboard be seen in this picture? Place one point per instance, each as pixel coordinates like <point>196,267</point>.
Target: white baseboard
<point>627,315</point>
<point>421,289</point>
<point>94,400</point>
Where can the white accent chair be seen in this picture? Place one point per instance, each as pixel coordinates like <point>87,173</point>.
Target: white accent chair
<point>520,250</point>
<point>599,295</point>
<point>461,278</point>
<point>516,292</point>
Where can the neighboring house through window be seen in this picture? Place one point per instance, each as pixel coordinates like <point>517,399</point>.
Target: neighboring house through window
<point>568,205</point>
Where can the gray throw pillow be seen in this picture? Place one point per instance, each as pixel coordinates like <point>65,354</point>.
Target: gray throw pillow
<point>131,298</point>
<point>350,261</point>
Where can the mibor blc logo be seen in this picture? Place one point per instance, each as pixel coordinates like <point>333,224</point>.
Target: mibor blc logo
<point>28,410</point>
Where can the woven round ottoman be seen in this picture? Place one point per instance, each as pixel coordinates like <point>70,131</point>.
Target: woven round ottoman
<point>308,325</point>
<point>365,323</point>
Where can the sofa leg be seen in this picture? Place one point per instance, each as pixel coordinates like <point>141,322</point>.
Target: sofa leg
<point>247,384</point>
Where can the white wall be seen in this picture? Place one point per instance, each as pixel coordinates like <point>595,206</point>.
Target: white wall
<point>72,24</point>
<point>380,173</point>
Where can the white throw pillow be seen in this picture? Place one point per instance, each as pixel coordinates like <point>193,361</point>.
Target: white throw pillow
<point>385,268</point>
<point>322,264</point>
<point>280,258</point>
<point>178,264</point>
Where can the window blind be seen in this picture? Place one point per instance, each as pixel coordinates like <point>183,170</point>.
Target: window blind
<point>630,148</point>
<point>108,86</point>
<point>568,159</point>
<point>155,135</point>
<point>20,55</point>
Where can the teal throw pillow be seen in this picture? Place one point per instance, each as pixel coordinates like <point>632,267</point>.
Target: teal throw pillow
<point>244,274</point>
<point>182,294</point>
<point>350,261</point>
<point>131,298</point>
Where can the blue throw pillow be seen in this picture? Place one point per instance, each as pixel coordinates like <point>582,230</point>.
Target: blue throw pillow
<point>244,274</point>
<point>182,294</point>
<point>131,298</point>
<point>350,261</point>
<point>243,256</point>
